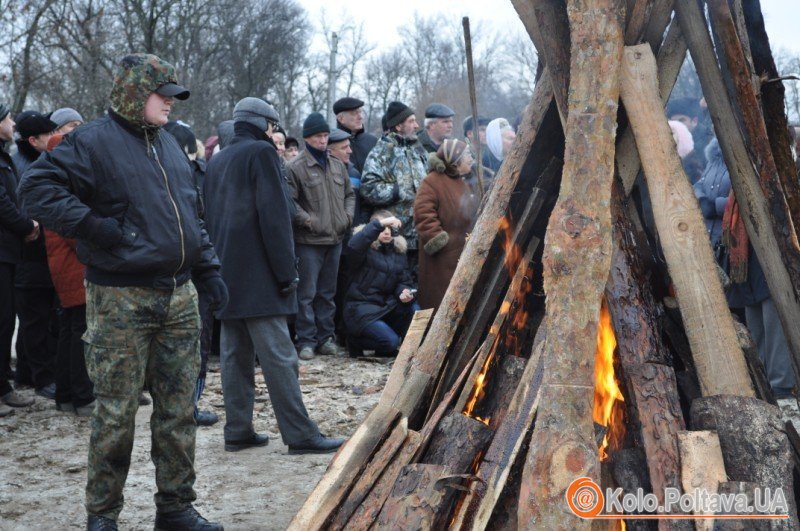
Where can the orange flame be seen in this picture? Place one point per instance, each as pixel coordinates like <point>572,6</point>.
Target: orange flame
<point>512,251</point>
<point>608,397</point>
<point>479,391</point>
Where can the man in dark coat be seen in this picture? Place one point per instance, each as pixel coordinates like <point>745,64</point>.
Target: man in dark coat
<point>438,126</point>
<point>14,227</point>
<point>248,216</point>
<point>35,295</point>
<point>124,189</point>
<point>350,119</point>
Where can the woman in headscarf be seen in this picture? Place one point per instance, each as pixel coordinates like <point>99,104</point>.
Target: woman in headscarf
<point>444,212</point>
<point>499,138</point>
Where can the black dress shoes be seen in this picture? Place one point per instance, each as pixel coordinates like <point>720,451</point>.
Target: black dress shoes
<point>256,440</point>
<point>204,417</point>
<point>100,523</point>
<point>186,520</point>
<point>317,445</point>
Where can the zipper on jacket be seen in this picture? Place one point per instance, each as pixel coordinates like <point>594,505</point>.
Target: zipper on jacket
<point>177,215</point>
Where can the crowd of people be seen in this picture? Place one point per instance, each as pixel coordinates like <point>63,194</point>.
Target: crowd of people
<point>125,242</point>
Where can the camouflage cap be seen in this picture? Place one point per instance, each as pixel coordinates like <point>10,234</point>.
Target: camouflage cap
<point>136,77</point>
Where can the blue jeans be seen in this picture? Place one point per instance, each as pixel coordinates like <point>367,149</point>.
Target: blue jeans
<point>384,335</point>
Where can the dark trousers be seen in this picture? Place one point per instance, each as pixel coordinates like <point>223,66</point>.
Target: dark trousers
<point>36,348</point>
<point>72,379</point>
<point>384,335</point>
<point>319,266</point>
<point>7,317</point>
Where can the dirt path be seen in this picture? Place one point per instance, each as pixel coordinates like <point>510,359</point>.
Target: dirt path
<point>43,457</point>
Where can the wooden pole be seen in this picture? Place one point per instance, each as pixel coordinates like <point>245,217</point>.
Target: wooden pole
<point>576,262</point>
<point>473,100</point>
<point>753,205</point>
<point>719,360</point>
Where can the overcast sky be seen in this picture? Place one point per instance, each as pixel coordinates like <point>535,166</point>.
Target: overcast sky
<point>382,19</point>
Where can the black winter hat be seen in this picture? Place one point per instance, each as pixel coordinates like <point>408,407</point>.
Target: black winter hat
<point>315,123</point>
<point>33,123</point>
<point>467,124</point>
<point>347,104</point>
<point>4,111</point>
<point>396,113</point>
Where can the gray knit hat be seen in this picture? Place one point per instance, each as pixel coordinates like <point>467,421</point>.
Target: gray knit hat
<point>255,111</point>
<point>65,115</point>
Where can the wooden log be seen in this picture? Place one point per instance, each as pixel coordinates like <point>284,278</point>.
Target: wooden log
<point>755,366</point>
<point>709,327</point>
<point>660,15</point>
<point>345,468</point>
<point>755,130</point>
<point>629,471</point>
<point>638,18</point>
<point>457,441</point>
<point>753,441</point>
<point>654,396</point>
<point>432,352</point>
<point>547,25</point>
<point>772,104</point>
<point>576,261</point>
<point>702,468</point>
<point>753,205</point>
<point>366,513</point>
<point>382,458</point>
<point>415,501</point>
<point>748,490</point>
<point>478,506</point>
<point>503,382</point>
<point>411,341</point>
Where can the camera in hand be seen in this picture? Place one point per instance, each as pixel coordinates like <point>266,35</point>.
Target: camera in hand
<point>395,231</point>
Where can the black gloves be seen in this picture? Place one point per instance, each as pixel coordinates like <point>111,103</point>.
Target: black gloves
<point>217,292</point>
<point>103,232</point>
<point>287,288</point>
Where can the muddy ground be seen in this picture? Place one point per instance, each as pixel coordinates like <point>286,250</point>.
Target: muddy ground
<point>43,456</point>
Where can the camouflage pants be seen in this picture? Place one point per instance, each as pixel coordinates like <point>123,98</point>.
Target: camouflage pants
<point>133,336</point>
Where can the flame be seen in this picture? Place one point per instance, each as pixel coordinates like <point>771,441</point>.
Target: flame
<point>512,251</point>
<point>608,397</point>
<point>479,390</point>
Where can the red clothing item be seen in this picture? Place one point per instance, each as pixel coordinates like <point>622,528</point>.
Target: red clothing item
<point>65,269</point>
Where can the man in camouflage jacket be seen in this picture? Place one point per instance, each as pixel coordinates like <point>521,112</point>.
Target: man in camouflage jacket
<point>125,190</point>
<point>394,170</point>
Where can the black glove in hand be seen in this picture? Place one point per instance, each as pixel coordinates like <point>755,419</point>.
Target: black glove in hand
<point>287,288</point>
<point>217,292</point>
<point>103,232</point>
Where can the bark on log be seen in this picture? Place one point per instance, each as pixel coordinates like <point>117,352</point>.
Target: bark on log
<point>503,382</point>
<point>755,366</point>
<point>383,457</point>
<point>629,470</point>
<point>702,467</point>
<point>416,502</point>
<point>660,15</point>
<point>411,341</point>
<point>576,263</point>
<point>478,506</point>
<point>458,439</point>
<point>744,179</point>
<point>739,488</point>
<point>753,441</point>
<point>772,100</point>
<point>347,465</point>
<point>709,327</point>
<point>654,397</point>
<point>431,354</point>
<point>366,513</point>
<point>637,20</point>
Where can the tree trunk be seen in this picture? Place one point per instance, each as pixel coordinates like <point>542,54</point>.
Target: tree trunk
<point>709,326</point>
<point>576,264</point>
<point>744,179</point>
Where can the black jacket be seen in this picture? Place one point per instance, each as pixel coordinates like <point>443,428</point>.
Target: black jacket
<point>110,169</point>
<point>379,273</point>
<point>32,270</point>
<point>14,226</point>
<point>248,217</point>
<point>361,143</point>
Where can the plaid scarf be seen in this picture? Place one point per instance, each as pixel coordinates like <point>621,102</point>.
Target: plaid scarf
<point>734,238</point>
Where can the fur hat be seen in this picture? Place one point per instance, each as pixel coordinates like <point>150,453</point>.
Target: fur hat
<point>33,123</point>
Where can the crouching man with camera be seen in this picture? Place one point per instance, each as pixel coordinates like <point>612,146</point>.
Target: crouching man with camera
<point>380,301</point>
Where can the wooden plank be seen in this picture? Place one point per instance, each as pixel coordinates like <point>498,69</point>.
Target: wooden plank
<point>715,348</point>
<point>744,178</point>
<point>414,336</point>
<point>383,457</point>
<point>702,468</point>
<point>344,470</point>
<point>576,262</point>
<point>366,513</point>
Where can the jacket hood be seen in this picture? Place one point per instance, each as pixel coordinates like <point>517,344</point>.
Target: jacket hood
<point>400,243</point>
<point>136,77</point>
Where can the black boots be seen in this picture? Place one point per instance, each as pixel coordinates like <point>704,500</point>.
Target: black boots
<point>186,520</point>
